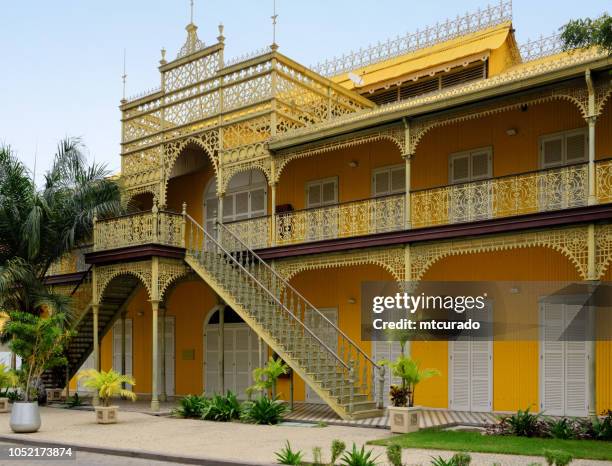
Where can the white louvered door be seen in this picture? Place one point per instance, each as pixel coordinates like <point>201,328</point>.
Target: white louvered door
<point>564,360</point>
<point>471,369</point>
<point>169,336</point>
<point>390,351</point>
<point>117,346</point>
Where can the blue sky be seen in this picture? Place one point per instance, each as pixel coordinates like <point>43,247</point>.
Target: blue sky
<point>63,59</point>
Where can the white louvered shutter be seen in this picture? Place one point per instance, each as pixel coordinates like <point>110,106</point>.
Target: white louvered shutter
<point>576,361</point>
<point>117,346</point>
<point>552,151</point>
<point>480,376</point>
<point>459,354</point>
<point>169,336</point>
<point>552,359</point>
<point>460,168</point>
<point>211,377</point>
<point>389,350</point>
<point>576,146</point>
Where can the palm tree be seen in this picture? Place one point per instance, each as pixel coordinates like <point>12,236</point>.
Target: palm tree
<point>38,226</point>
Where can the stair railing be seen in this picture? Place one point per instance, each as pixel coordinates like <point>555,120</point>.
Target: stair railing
<point>363,366</point>
<point>284,324</point>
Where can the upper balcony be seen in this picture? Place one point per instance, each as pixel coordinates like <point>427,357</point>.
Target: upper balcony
<point>503,197</point>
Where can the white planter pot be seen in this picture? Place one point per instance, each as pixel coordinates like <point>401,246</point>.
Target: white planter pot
<point>4,405</point>
<point>25,417</point>
<point>106,414</point>
<point>404,420</point>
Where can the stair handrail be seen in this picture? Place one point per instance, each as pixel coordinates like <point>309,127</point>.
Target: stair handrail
<point>288,285</point>
<point>261,285</point>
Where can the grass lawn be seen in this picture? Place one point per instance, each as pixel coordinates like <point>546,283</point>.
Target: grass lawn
<point>475,442</point>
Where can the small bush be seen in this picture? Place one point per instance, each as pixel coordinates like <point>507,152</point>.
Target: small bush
<point>221,408</point>
<point>557,458</point>
<point>337,448</point>
<point>264,411</point>
<point>357,457</point>
<point>288,456</point>
<point>74,401</point>
<point>524,423</point>
<point>602,429</point>
<point>561,429</point>
<point>458,459</point>
<point>191,406</point>
<point>13,396</point>
<point>394,454</point>
<point>399,395</point>
<point>317,456</point>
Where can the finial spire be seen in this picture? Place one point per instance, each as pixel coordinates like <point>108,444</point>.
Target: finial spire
<point>191,8</point>
<point>123,77</point>
<point>274,17</point>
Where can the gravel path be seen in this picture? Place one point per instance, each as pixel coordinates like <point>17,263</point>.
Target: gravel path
<point>230,441</point>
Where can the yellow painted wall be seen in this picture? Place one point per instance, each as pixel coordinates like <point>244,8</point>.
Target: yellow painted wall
<point>511,154</point>
<point>190,189</point>
<point>515,363</point>
<point>353,183</point>
<point>603,357</point>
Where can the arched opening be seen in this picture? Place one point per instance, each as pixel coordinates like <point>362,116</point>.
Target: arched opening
<point>240,347</point>
<point>142,202</point>
<point>246,197</point>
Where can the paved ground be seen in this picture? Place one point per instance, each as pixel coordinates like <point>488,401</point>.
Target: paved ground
<point>212,440</point>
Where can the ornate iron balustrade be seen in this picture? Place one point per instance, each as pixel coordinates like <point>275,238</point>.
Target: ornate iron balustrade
<point>603,177</point>
<point>153,227</point>
<point>72,262</point>
<point>255,232</point>
<point>341,220</point>
<point>501,197</point>
<point>542,47</point>
<point>450,29</point>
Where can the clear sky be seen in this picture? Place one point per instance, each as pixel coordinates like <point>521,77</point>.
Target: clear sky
<point>62,60</point>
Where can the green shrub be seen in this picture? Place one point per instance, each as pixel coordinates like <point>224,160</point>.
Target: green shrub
<point>602,429</point>
<point>191,406</point>
<point>288,456</point>
<point>561,428</point>
<point>221,408</point>
<point>394,454</point>
<point>74,401</point>
<point>458,459</point>
<point>523,423</point>
<point>337,448</point>
<point>14,395</point>
<point>357,457</point>
<point>264,411</point>
<point>317,455</point>
<point>557,458</point>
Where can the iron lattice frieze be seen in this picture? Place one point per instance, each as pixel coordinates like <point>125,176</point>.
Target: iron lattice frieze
<point>414,261</point>
<point>156,275</point>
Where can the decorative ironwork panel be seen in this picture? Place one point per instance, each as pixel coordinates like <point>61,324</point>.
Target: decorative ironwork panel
<point>141,228</point>
<point>192,72</point>
<point>106,273</point>
<point>501,197</point>
<point>603,249</point>
<point>603,174</point>
<point>71,262</point>
<point>340,221</point>
<point>254,232</point>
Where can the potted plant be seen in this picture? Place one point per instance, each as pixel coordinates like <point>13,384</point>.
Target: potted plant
<point>108,385</point>
<point>8,380</point>
<point>265,377</point>
<point>403,415</point>
<point>40,341</point>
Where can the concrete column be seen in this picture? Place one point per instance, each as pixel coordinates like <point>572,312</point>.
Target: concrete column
<point>154,354</point>
<point>219,217</point>
<point>222,349</point>
<point>96,347</point>
<point>163,395</point>
<point>592,180</point>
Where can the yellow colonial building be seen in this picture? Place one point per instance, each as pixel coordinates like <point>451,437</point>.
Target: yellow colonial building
<point>263,192</point>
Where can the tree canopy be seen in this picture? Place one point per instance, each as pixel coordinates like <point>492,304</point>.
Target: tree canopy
<point>587,32</point>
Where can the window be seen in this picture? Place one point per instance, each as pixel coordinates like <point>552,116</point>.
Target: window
<point>320,193</point>
<point>389,180</point>
<point>471,165</point>
<point>563,148</point>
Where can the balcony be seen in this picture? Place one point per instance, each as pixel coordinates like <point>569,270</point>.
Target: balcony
<point>508,196</point>
<point>152,227</point>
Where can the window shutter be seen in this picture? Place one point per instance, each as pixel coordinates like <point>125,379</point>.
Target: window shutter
<point>390,351</point>
<point>481,165</point>
<point>460,168</point>
<point>552,151</point>
<point>576,147</point>
<point>552,355</point>
<point>242,205</point>
<point>576,360</point>
<point>169,336</point>
<point>381,183</point>
<point>313,195</point>
<point>398,179</point>
<point>117,346</point>
<point>258,206</point>
<point>329,192</point>
<point>460,379</point>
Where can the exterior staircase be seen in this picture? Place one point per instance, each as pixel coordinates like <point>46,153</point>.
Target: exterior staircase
<point>345,377</point>
<point>116,298</point>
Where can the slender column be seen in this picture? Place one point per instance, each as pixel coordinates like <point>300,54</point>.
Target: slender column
<point>273,217</point>
<point>222,349</point>
<point>96,347</point>
<point>220,216</point>
<point>592,329</point>
<point>163,395</point>
<point>154,350</point>
<point>123,347</point>
<point>407,213</point>
<point>592,191</point>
